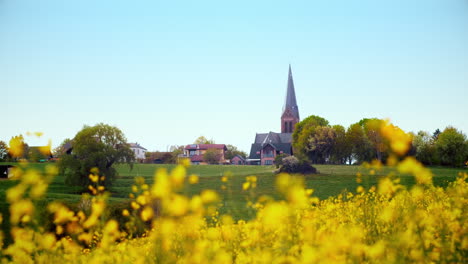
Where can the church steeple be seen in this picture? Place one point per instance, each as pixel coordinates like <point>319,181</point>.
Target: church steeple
<point>290,115</point>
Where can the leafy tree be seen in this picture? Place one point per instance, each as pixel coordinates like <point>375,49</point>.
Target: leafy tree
<point>212,156</point>
<point>424,148</point>
<point>341,149</point>
<point>233,151</point>
<point>203,140</point>
<point>176,151</point>
<point>320,144</point>
<point>3,151</point>
<point>371,128</point>
<point>303,132</point>
<point>360,145</point>
<point>436,134</point>
<point>452,147</point>
<point>98,146</point>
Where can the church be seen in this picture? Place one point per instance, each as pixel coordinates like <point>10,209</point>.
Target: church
<point>268,145</point>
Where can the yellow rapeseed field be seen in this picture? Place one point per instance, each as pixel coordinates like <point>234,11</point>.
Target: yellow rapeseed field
<point>384,224</point>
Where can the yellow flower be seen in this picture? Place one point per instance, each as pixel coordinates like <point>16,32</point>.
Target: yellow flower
<point>20,209</point>
<point>94,177</point>
<point>209,196</point>
<point>193,179</point>
<point>125,212</point>
<point>178,177</point>
<point>178,205</point>
<point>147,213</point>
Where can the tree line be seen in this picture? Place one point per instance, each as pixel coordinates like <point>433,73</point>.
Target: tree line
<point>321,143</point>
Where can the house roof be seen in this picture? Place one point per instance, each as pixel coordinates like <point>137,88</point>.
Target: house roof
<point>206,146</point>
<point>136,145</point>
<point>196,158</point>
<point>238,156</point>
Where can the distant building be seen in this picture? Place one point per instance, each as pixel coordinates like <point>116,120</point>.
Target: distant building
<point>196,152</point>
<point>238,160</point>
<point>138,150</point>
<point>267,146</point>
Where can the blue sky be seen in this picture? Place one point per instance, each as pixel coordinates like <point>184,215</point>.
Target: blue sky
<point>166,72</point>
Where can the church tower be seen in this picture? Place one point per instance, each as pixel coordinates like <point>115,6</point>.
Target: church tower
<point>290,115</point>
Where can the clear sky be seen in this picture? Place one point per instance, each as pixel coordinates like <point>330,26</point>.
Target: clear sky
<point>166,72</point>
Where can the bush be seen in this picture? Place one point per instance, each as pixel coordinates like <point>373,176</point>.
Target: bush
<point>292,164</point>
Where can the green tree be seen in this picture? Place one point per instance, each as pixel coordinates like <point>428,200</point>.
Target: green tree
<point>452,147</point>
<point>371,128</point>
<point>341,151</point>
<point>232,151</point>
<point>303,132</point>
<point>360,145</point>
<point>212,156</point>
<point>203,140</point>
<point>320,144</point>
<point>98,146</point>
<point>424,148</point>
<point>3,151</point>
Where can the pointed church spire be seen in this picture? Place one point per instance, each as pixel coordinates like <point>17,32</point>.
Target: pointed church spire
<point>290,102</point>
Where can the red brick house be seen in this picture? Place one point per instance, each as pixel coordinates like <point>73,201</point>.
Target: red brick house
<point>238,160</point>
<point>196,152</point>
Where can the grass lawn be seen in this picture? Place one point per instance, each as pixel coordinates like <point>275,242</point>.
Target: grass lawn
<point>331,180</point>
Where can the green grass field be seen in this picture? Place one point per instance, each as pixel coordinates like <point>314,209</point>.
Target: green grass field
<point>331,180</point>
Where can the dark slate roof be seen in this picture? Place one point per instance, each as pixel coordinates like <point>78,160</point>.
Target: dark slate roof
<point>290,102</point>
<point>279,141</point>
<point>273,137</point>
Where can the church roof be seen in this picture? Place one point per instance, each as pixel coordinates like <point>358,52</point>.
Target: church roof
<point>273,137</point>
<point>279,141</point>
<point>290,102</point>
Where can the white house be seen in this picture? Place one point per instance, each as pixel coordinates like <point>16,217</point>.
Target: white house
<point>138,150</point>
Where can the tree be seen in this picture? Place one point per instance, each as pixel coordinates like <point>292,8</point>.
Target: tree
<point>341,151</point>
<point>372,128</point>
<point>452,147</point>
<point>232,151</point>
<point>436,134</point>
<point>212,156</point>
<point>424,148</point>
<point>359,143</point>
<point>303,132</point>
<point>320,144</point>
<point>3,151</point>
<point>98,146</point>
<point>203,140</point>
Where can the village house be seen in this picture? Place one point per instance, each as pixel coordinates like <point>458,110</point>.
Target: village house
<point>138,150</point>
<point>267,146</point>
<point>196,153</point>
<point>238,160</point>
